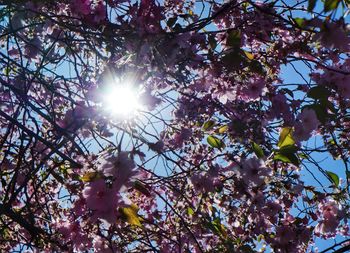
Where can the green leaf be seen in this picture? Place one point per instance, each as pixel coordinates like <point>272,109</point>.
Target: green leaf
<point>208,125</point>
<point>215,142</point>
<point>258,150</point>
<point>129,213</point>
<point>218,228</point>
<point>7,71</point>
<point>190,211</point>
<point>331,142</point>
<point>222,129</point>
<point>288,91</point>
<point>319,92</point>
<point>330,5</point>
<point>303,156</point>
<point>334,177</point>
<point>249,55</point>
<point>289,149</point>
<point>287,158</point>
<point>212,41</point>
<point>90,176</point>
<point>246,249</point>
<point>234,38</point>
<point>233,59</point>
<point>300,22</point>
<point>64,170</point>
<point>6,234</point>
<point>286,137</point>
<point>311,5</point>
<point>260,238</point>
<point>171,21</point>
<point>138,185</point>
<point>320,110</point>
<point>287,153</point>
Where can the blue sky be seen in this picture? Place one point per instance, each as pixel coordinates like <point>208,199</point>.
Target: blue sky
<point>325,160</point>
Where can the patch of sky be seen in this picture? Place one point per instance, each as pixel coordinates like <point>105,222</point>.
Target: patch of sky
<point>314,173</point>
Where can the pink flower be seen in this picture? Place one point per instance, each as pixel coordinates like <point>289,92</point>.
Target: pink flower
<point>180,137</point>
<point>83,7</point>
<point>334,79</point>
<point>272,209</point>
<point>205,182</point>
<point>326,228</point>
<point>98,196</point>
<point>75,118</point>
<point>254,171</point>
<point>72,232</point>
<point>309,119</point>
<point>343,86</point>
<point>224,92</point>
<point>330,213</point>
<point>253,89</point>
<point>121,167</point>
<point>333,35</point>
<point>100,245</point>
<point>285,234</point>
<point>7,165</point>
<point>103,200</point>
<point>308,122</point>
<point>33,48</point>
<point>280,108</point>
<point>100,13</point>
<point>148,17</point>
<point>150,100</point>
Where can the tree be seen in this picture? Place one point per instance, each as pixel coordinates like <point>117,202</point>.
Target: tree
<point>213,152</point>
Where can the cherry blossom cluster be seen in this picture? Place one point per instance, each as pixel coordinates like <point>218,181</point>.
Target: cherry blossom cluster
<point>224,154</point>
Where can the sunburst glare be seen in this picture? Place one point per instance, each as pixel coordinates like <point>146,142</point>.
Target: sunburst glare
<point>122,99</point>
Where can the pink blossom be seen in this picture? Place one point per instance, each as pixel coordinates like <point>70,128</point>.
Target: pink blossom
<point>120,166</point>
<point>82,7</point>
<point>307,122</point>
<point>148,17</point>
<point>150,100</point>
<point>33,48</point>
<point>254,171</point>
<point>102,199</point>
<point>272,208</point>
<point>224,92</point>
<point>100,245</point>
<point>7,165</point>
<point>205,182</point>
<point>332,78</point>
<point>180,137</point>
<point>343,86</point>
<point>280,108</point>
<point>285,234</point>
<point>333,35</point>
<point>75,118</point>
<point>330,213</point>
<point>99,12</point>
<point>253,88</point>
<point>72,232</point>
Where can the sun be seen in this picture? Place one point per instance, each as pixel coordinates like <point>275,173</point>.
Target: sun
<point>122,100</point>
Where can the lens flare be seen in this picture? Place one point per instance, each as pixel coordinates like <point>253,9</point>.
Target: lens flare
<point>122,100</point>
